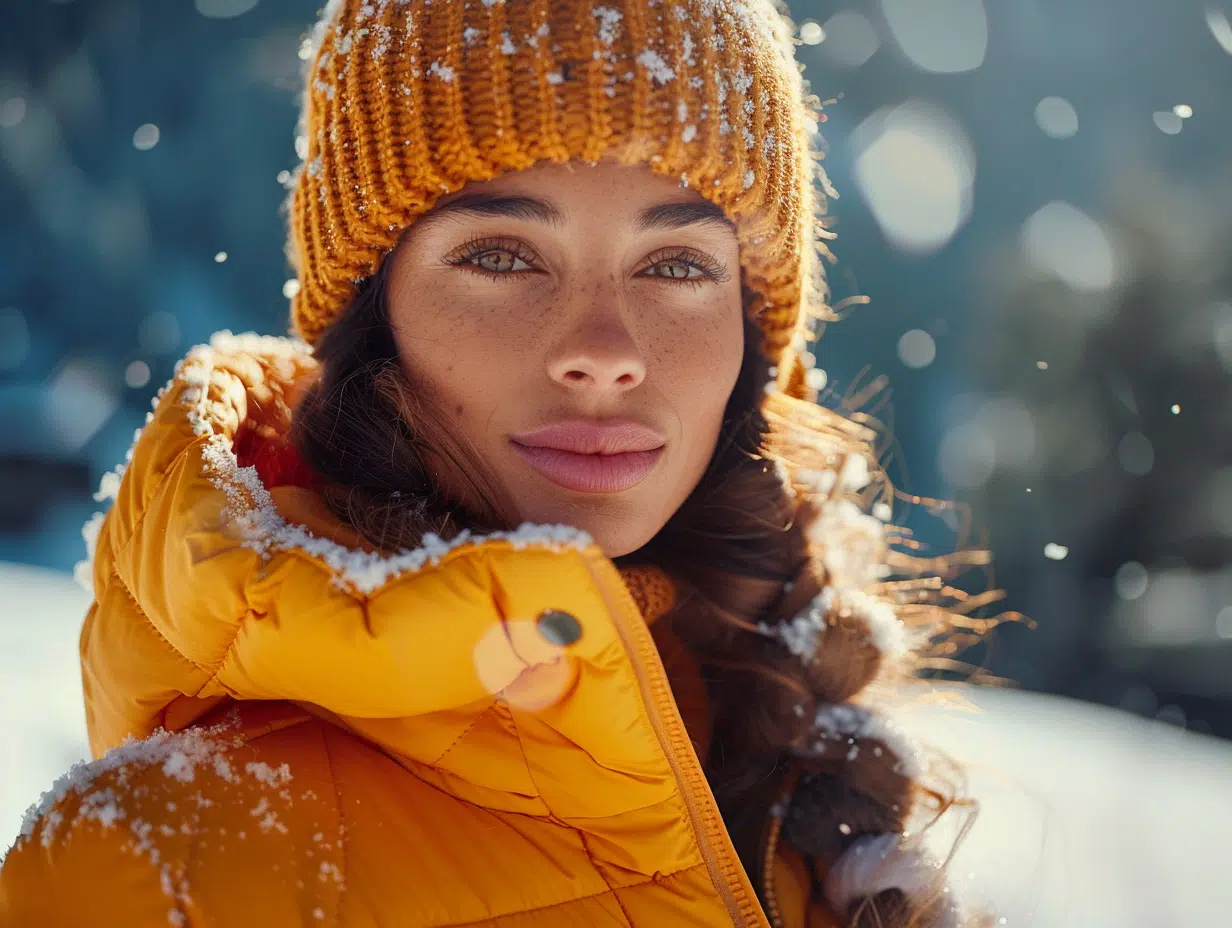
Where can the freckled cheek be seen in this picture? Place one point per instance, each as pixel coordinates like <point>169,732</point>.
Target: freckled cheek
<point>474,368</point>
<point>700,360</point>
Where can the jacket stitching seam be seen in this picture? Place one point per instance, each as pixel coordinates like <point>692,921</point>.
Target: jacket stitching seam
<point>124,587</point>
<point>594,866</point>
<point>475,721</point>
<point>517,737</point>
<point>342,846</point>
<point>553,905</point>
<point>226,655</point>
<point>139,523</point>
<point>120,553</point>
<point>577,831</point>
<point>188,859</point>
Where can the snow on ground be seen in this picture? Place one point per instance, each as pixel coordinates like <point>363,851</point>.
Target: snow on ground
<point>42,720</point>
<point>1090,818</point>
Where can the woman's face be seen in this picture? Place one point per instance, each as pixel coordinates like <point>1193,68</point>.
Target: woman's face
<point>582,293</point>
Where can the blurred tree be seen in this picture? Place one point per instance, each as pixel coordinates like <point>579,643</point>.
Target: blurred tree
<point>1103,357</point>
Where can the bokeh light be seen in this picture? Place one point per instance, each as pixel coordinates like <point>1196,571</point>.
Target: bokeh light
<point>916,348</point>
<point>1220,28</point>
<point>943,36</point>
<point>1062,240</point>
<point>79,401</point>
<point>1222,319</point>
<point>1179,607</point>
<point>1131,580</point>
<point>137,374</point>
<point>146,137</point>
<point>915,168</point>
<point>967,455</point>
<point>1223,622</point>
<point>1055,552</point>
<point>1056,118</point>
<point>1215,504</point>
<point>224,9</point>
<point>1168,122</point>
<point>850,40</point>
<point>811,32</point>
<point>12,112</point>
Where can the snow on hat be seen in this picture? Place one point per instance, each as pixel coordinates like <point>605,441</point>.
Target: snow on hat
<point>406,101</point>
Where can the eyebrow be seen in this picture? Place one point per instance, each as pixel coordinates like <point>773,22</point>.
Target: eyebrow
<point>657,218</point>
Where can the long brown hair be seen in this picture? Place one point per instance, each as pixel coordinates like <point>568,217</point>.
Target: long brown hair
<point>741,556</point>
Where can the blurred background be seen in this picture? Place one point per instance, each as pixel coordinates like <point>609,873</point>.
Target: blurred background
<point>1035,198</point>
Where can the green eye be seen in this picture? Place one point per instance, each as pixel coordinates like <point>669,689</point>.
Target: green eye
<point>483,249</point>
<point>502,256</point>
<point>686,265</point>
<point>710,270</point>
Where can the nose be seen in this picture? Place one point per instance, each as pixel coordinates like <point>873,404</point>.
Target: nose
<point>600,354</point>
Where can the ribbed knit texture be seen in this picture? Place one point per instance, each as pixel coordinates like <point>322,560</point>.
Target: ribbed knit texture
<point>408,100</point>
<point>651,588</point>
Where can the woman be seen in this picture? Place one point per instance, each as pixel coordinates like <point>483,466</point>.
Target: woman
<point>537,591</point>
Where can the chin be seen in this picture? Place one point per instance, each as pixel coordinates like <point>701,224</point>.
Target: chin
<point>614,540</point>
<point>619,547</point>
<point>616,533</point>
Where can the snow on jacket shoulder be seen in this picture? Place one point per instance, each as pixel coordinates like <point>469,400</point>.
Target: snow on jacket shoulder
<point>292,729</point>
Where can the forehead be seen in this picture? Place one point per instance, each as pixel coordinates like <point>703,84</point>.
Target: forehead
<point>557,195</point>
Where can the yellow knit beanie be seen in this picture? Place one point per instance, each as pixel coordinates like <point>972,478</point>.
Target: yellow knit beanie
<point>408,100</point>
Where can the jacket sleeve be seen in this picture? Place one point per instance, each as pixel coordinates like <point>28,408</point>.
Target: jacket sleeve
<point>75,865</point>
<point>194,828</point>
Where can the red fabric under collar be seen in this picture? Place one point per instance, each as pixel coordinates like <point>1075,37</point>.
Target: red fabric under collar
<point>277,462</point>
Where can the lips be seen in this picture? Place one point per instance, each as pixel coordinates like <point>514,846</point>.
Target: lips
<point>591,473</point>
<point>605,456</point>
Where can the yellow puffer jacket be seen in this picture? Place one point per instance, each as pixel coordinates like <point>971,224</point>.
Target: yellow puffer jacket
<point>473,733</point>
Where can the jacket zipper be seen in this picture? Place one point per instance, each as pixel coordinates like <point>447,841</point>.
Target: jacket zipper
<point>726,872</point>
<point>770,844</point>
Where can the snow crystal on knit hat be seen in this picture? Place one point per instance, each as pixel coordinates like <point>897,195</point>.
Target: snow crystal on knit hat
<point>406,101</point>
